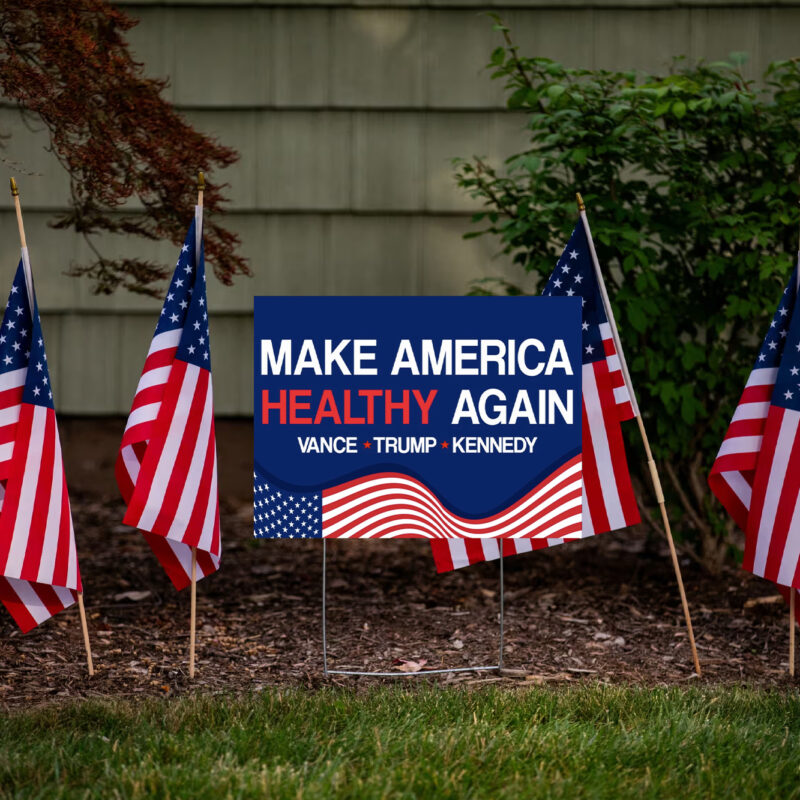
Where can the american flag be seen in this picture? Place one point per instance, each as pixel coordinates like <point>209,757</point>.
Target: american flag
<point>756,475</point>
<point>608,501</point>
<point>39,575</point>
<point>167,463</point>
<point>392,505</point>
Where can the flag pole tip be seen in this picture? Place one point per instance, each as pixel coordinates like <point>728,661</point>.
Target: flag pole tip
<point>581,204</point>
<point>14,189</point>
<point>201,182</point>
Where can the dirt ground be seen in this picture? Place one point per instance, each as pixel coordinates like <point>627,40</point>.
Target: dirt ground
<point>603,609</point>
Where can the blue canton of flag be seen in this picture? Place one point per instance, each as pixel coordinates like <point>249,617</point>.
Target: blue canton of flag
<point>15,336</point>
<point>22,344</point>
<point>574,275</point>
<point>283,514</point>
<point>781,349</point>
<point>183,309</point>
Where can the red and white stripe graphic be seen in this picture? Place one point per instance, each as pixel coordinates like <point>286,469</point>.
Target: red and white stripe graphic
<point>392,505</point>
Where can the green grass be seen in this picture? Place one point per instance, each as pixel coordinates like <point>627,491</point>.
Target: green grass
<point>587,742</point>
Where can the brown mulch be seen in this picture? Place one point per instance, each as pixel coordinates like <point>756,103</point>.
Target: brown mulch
<point>604,609</point>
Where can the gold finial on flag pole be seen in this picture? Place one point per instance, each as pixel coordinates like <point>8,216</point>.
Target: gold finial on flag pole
<point>201,187</point>
<point>18,209</point>
<point>581,204</point>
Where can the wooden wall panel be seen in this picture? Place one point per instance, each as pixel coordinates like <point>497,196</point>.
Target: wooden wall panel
<point>347,115</point>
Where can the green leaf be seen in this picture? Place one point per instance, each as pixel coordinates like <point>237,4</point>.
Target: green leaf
<point>498,56</point>
<point>637,318</point>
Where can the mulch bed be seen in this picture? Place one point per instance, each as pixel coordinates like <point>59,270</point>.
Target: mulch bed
<point>604,609</point>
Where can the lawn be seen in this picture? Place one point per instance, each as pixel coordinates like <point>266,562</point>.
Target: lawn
<point>588,741</point>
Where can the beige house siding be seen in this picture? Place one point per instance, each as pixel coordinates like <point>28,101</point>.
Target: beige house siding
<point>346,116</point>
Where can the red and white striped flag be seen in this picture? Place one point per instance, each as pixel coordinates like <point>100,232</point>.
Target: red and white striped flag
<point>608,500</point>
<point>38,561</point>
<point>167,463</point>
<point>756,475</point>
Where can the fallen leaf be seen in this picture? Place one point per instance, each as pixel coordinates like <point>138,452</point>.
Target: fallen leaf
<point>133,596</point>
<point>540,679</point>
<point>514,673</point>
<point>406,665</point>
<point>762,601</point>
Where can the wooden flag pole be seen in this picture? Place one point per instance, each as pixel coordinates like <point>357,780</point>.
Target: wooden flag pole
<point>193,622</point>
<point>29,286</point>
<point>650,462</point>
<point>792,590</point>
<point>792,595</point>
<point>668,529</point>
<point>85,628</point>
<point>18,208</point>
<point>201,185</point>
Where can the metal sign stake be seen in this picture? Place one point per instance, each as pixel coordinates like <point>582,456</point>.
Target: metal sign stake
<point>326,671</point>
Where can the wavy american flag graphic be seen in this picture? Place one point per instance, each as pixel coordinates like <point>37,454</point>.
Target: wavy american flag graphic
<point>39,573</point>
<point>608,502</point>
<point>167,463</point>
<point>756,474</point>
<point>396,506</point>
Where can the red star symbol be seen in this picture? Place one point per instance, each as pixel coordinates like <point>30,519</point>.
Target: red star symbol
<point>367,444</point>
<point>445,445</point>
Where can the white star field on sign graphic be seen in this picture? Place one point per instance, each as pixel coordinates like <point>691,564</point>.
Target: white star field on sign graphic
<point>280,514</point>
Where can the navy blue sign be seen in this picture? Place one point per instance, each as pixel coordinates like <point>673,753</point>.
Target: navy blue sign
<point>429,417</point>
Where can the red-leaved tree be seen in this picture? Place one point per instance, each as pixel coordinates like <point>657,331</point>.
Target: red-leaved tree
<point>69,65</point>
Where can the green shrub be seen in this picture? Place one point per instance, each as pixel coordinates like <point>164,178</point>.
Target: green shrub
<point>691,183</point>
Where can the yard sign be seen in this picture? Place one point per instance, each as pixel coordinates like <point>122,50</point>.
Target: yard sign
<point>387,417</point>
